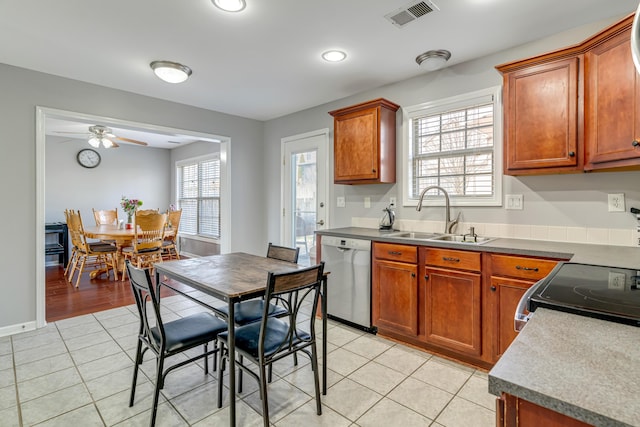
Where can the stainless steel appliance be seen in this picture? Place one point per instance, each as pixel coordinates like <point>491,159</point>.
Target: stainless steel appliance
<point>349,288</point>
<point>607,293</point>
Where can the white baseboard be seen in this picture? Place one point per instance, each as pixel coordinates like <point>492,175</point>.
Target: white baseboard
<point>16,329</point>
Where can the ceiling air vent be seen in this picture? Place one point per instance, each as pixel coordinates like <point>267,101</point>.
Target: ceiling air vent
<point>410,13</point>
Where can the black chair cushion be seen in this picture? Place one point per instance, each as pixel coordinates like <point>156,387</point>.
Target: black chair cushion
<point>251,311</point>
<point>189,331</point>
<point>247,337</point>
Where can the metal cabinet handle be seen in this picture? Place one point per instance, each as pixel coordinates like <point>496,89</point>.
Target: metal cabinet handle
<point>572,153</point>
<point>395,253</point>
<point>426,277</point>
<point>448,258</point>
<point>635,143</point>
<point>493,288</point>
<point>413,274</point>
<point>518,267</point>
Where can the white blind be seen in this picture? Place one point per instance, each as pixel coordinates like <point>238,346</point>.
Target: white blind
<point>454,149</point>
<point>199,197</point>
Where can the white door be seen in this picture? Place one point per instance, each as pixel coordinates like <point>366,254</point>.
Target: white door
<point>305,186</point>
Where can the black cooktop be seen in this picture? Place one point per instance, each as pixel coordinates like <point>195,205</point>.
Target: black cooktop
<point>607,293</point>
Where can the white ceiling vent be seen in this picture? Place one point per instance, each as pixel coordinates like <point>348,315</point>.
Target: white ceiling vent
<point>411,12</point>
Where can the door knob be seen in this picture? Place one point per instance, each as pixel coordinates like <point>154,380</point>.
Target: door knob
<point>321,222</point>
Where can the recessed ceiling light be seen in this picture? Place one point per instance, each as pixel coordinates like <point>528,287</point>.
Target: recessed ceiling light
<point>230,5</point>
<point>171,72</point>
<point>334,56</point>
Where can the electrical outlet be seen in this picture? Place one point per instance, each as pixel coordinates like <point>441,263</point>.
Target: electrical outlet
<point>367,202</point>
<point>340,202</point>
<point>392,202</point>
<point>514,202</point>
<point>616,202</point>
<point>617,280</point>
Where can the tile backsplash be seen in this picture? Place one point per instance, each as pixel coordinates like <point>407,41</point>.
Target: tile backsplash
<point>600,236</point>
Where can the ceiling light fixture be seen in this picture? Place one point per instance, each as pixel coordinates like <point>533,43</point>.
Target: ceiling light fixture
<point>171,72</point>
<point>433,59</point>
<point>334,56</point>
<point>95,141</point>
<point>230,5</point>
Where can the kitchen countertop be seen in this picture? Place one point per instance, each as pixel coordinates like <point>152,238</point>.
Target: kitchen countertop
<point>612,256</point>
<point>585,368</point>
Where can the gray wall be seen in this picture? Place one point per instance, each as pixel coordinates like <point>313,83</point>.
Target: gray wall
<point>564,200</point>
<point>22,90</point>
<point>131,171</point>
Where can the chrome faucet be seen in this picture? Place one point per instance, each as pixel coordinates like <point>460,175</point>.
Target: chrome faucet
<point>448,224</point>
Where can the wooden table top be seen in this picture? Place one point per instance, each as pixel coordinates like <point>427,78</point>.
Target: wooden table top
<point>234,276</point>
<point>109,231</point>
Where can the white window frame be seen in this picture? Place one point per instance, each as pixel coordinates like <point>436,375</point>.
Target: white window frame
<point>440,106</point>
<point>198,160</point>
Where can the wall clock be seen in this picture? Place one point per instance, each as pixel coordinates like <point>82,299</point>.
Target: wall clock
<point>88,158</point>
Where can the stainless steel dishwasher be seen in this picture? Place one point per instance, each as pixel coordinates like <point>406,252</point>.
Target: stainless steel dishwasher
<point>349,284</point>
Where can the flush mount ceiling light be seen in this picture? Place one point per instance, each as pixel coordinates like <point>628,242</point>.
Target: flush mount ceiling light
<point>230,5</point>
<point>334,56</point>
<point>171,72</point>
<point>433,59</point>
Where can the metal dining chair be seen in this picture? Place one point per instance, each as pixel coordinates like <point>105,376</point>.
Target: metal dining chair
<point>166,339</point>
<point>273,338</point>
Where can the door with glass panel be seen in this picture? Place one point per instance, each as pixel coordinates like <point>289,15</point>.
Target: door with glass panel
<point>304,183</point>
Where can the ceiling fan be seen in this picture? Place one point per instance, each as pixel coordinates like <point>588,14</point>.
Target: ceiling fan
<point>99,134</point>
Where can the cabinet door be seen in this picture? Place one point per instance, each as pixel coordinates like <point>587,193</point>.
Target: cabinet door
<point>452,310</point>
<point>522,413</point>
<point>395,297</point>
<point>505,293</point>
<point>356,146</point>
<point>541,118</point>
<point>612,103</point>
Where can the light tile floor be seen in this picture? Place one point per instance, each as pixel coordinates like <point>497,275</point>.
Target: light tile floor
<point>78,372</point>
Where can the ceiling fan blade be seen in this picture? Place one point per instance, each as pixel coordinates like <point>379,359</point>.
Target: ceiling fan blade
<point>114,145</point>
<point>61,131</point>
<point>131,140</point>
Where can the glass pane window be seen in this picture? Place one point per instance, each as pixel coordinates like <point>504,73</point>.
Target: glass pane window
<point>199,197</point>
<point>454,143</point>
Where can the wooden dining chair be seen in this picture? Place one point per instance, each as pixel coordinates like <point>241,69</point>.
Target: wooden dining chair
<point>106,217</point>
<point>146,247</point>
<point>85,253</point>
<point>273,338</point>
<point>170,243</point>
<point>166,339</point>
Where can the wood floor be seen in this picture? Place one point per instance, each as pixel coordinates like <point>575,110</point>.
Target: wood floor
<point>64,300</point>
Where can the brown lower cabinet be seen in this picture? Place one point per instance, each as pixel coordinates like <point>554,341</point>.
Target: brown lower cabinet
<point>511,411</point>
<point>458,303</point>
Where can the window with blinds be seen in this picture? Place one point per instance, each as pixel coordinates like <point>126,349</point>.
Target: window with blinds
<point>199,197</point>
<point>453,144</point>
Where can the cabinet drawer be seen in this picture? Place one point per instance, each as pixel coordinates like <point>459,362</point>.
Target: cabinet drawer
<point>393,252</point>
<point>448,258</point>
<point>520,267</point>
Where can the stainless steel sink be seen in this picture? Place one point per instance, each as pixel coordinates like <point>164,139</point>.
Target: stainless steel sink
<point>459,238</point>
<point>413,235</point>
<point>438,237</point>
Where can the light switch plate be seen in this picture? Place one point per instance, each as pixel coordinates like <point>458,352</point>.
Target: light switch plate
<point>367,202</point>
<point>340,202</point>
<point>514,202</point>
<point>617,281</point>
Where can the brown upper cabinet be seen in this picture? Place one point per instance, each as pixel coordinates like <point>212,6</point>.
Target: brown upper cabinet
<point>364,140</point>
<point>574,109</point>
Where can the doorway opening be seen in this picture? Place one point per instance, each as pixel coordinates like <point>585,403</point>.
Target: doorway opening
<point>45,120</point>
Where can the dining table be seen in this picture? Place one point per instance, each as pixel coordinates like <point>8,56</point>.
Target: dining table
<point>122,237</point>
<point>234,277</point>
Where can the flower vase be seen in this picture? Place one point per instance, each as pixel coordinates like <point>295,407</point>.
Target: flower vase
<point>129,222</point>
